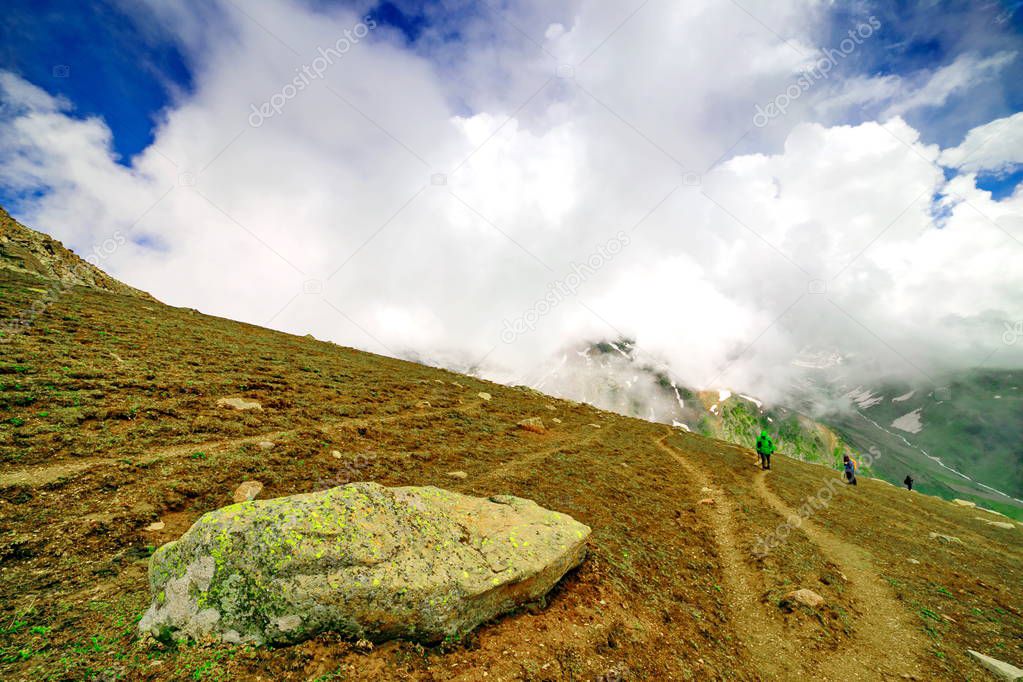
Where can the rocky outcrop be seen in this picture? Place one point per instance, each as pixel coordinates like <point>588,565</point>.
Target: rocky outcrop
<point>26,250</point>
<point>362,560</point>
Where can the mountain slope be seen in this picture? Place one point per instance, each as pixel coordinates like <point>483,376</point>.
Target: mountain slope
<point>113,443</point>
<point>26,250</point>
<point>614,376</point>
<point>960,439</point>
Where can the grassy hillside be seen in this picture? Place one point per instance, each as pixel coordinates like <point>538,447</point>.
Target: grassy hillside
<point>110,424</point>
<point>973,424</point>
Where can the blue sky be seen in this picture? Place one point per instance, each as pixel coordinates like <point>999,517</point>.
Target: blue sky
<point>95,55</point>
<point>918,36</point>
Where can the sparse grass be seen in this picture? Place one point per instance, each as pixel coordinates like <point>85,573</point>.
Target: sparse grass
<point>651,595</point>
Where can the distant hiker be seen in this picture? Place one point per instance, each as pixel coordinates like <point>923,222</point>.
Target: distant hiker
<point>765,446</point>
<point>909,482</point>
<point>850,469</point>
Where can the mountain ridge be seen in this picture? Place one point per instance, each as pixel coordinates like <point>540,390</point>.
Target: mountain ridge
<point>25,249</point>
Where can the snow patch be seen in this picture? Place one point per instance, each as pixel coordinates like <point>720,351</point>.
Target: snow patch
<point>724,394</point>
<point>752,400</point>
<point>820,359</point>
<point>863,397</point>
<point>902,398</point>
<point>910,423</point>
<point>937,460</point>
<point>678,397</point>
<point>679,425</point>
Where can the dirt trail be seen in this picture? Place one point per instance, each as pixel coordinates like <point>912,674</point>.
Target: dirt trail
<point>770,649</point>
<point>515,465</point>
<point>886,642</point>
<point>40,474</point>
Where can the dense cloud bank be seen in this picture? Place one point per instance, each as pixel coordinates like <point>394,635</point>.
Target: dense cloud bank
<point>566,173</point>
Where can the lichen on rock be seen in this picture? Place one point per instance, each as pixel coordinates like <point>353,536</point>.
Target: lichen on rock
<point>363,560</point>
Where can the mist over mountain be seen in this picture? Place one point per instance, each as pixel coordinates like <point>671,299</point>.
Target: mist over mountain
<point>600,189</point>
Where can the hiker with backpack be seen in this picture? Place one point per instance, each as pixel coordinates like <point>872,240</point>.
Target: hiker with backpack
<point>909,482</point>
<point>850,469</point>
<point>765,446</point>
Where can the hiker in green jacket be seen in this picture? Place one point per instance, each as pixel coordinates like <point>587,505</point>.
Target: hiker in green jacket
<point>765,446</point>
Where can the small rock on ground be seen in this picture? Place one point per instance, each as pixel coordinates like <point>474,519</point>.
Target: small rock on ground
<point>805,597</point>
<point>247,491</point>
<point>1001,669</point>
<point>533,424</point>
<point>964,503</point>
<point>484,395</point>
<point>154,526</point>
<point>265,445</point>
<point>239,404</point>
<point>951,539</point>
<point>458,474</point>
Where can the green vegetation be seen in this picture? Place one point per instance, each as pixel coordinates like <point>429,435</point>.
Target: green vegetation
<point>121,449</point>
<point>964,424</point>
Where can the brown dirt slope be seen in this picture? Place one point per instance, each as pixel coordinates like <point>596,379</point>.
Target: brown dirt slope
<point>110,423</point>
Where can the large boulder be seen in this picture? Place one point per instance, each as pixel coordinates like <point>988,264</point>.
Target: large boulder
<point>362,560</point>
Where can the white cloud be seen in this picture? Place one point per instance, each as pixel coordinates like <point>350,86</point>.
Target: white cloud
<point>995,146</point>
<point>965,72</point>
<point>341,189</point>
